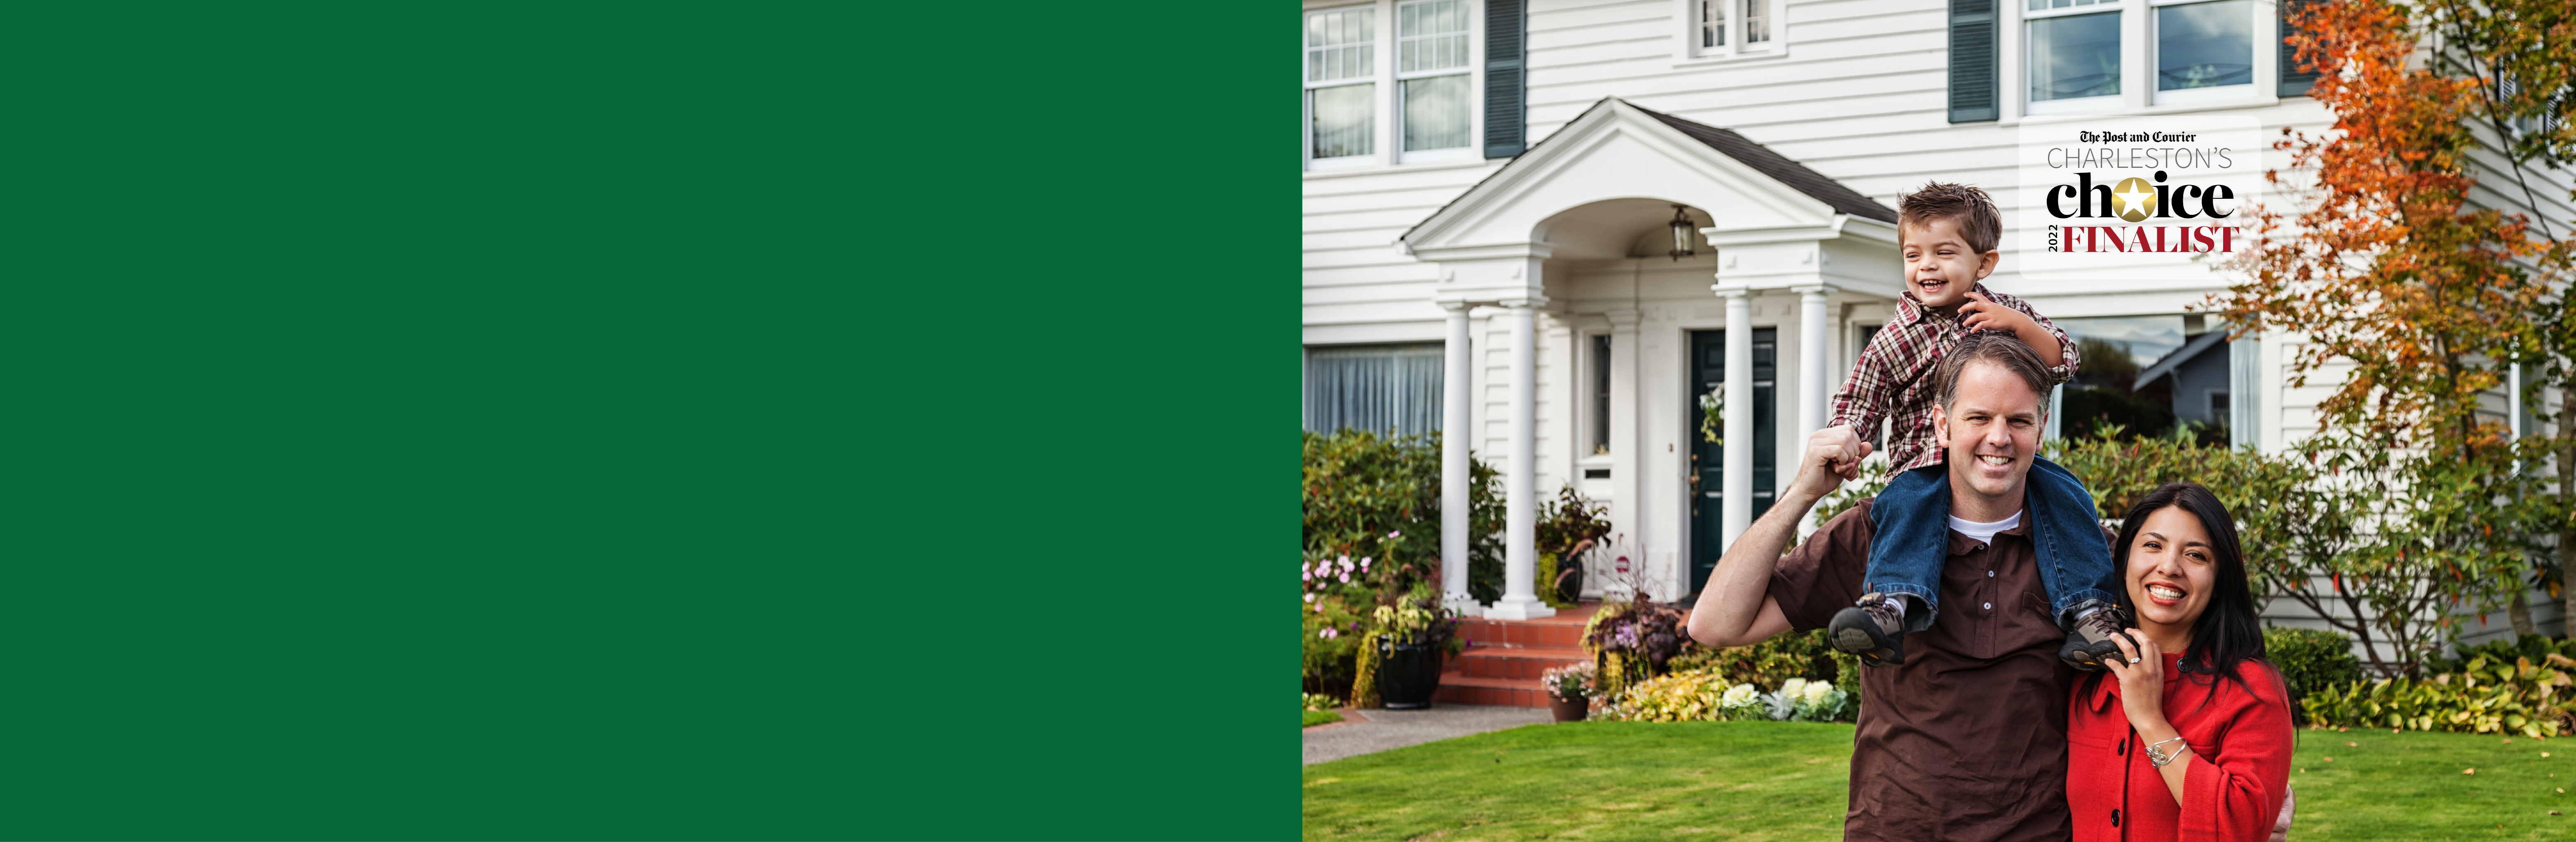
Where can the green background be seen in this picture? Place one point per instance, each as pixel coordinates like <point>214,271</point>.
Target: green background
<point>646,421</point>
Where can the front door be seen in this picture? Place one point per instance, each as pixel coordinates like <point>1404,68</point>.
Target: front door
<point>1708,459</point>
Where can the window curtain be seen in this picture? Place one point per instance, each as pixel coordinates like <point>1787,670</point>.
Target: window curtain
<point>1378,388</point>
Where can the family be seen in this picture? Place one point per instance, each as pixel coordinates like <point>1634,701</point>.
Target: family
<point>2031,676</point>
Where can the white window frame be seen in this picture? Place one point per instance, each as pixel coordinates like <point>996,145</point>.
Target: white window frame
<point>1395,92</point>
<point>2138,94</point>
<point>1693,31</point>
<point>1389,138</point>
<point>2078,105</point>
<point>2224,93</point>
<point>1377,77</point>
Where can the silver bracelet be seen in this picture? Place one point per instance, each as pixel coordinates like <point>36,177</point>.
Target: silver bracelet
<point>2159,758</point>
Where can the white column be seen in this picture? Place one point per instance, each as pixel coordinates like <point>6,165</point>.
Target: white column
<point>1457,432</point>
<point>1812,394</point>
<point>1738,480</point>
<point>1627,503</point>
<point>1520,484</point>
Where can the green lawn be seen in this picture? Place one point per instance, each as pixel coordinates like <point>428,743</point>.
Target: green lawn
<point>1780,780</point>
<point>1321,717</point>
<point>1593,780</point>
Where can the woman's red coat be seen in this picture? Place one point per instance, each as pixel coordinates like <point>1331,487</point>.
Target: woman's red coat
<point>2240,759</point>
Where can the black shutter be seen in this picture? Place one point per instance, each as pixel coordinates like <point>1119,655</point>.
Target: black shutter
<point>1506,89</point>
<point>2293,81</point>
<point>1972,61</point>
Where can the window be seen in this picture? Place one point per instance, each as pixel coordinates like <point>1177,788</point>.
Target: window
<point>2074,58</point>
<point>2204,50</point>
<point>1601,394</point>
<point>2217,406</point>
<point>1341,95</point>
<point>1431,66</point>
<point>1745,24</point>
<point>1379,388</point>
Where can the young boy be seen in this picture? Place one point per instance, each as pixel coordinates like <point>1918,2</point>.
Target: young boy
<point>1948,234</point>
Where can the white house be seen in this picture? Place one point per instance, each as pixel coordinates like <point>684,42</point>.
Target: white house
<point>1492,186</point>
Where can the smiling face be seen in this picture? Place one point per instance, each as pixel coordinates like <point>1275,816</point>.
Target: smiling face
<point>1991,432</point>
<point>2172,571</point>
<point>1940,267</point>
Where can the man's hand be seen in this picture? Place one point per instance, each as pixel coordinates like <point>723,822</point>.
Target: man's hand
<point>1833,455</point>
<point>1846,441</point>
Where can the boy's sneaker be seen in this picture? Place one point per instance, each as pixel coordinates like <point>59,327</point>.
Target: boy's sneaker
<point>2090,643</point>
<point>1872,629</point>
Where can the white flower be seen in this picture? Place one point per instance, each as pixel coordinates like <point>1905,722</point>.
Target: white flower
<point>1791,688</point>
<point>1741,694</point>
<point>1818,692</point>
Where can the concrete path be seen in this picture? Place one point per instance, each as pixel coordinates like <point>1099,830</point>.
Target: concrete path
<point>1386,729</point>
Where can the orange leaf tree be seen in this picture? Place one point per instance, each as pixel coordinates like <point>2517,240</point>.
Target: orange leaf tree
<point>2392,277</point>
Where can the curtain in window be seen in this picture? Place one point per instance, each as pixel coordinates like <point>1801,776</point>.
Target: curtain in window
<point>1435,113</point>
<point>1374,387</point>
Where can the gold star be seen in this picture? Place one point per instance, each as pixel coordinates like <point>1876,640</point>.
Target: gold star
<point>2135,200</point>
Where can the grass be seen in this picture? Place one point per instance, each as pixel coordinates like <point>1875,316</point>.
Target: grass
<point>1776,780</point>
<point>2410,786</point>
<point>1593,780</point>
<point>1321,717</point>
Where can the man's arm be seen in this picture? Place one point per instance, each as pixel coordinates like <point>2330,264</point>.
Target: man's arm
<point>1735,608</point>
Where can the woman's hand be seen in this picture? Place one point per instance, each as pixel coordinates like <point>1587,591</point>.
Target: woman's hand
<point>2141,669</point>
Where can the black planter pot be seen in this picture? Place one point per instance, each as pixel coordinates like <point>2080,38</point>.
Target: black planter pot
<point>1408,674</point>
<point>1569,584</point>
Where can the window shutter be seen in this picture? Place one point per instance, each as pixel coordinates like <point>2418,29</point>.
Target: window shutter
<point>2293,81</point>
<point>1972,61</point>
<point>1506,88</point>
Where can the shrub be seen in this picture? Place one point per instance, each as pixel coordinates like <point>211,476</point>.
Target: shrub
<point>1376,496</point>
<point>2485,696</point>
<point>1706,696</point>
<point>2532,646</point>
<point>1317,701</point>
<point>2309,660</point>
<point>1772,663</point>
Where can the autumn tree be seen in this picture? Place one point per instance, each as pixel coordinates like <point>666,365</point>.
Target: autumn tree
<point>2420,299</point>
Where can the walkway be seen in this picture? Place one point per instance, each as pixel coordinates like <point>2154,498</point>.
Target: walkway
<point>1386,729</point>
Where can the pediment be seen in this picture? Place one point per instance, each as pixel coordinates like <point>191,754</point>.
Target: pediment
<point>1616,151</point>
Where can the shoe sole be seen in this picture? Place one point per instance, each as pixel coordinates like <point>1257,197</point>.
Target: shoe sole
<point>1855,641</point>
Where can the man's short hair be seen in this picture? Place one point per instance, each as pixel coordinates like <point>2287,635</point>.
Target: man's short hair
<point>1971,207</point>
<point>1997,348</point>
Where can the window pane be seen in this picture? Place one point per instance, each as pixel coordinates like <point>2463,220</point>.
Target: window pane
<point>2075,56</point>
<point>1374,387</point>
<point>1431,35</point>
<point>1345,120</point>
<point>1757,21</point>
<point>1600,394</point>
<point>1712,23</point>
<point>1340,45</point>
<point>2205,45</point>
<point>1435,113</point>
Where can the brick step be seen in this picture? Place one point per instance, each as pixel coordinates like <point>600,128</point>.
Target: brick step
<point>1564,629</point>
<point>1459,689</point>
<point>1516,662</point>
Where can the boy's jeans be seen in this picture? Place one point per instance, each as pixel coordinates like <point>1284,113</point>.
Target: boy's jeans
<point>1910,540</point>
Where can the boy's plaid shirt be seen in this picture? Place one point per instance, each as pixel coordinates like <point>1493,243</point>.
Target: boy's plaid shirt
<point>1894,377</point>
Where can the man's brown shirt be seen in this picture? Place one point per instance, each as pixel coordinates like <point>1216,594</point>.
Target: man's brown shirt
<point>1966,740</point>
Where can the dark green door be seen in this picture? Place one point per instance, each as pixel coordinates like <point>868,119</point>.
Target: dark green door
<point>1708,460</point>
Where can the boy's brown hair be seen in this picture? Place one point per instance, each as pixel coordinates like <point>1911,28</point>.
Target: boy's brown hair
<point>1974,210</point>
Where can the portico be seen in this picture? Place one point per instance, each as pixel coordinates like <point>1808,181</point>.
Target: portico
<point>1570,323</point>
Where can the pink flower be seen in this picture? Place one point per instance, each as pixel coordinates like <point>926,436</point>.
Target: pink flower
<point>1310,597</point>
<point>1394,534</point>
<point>1346,577</point>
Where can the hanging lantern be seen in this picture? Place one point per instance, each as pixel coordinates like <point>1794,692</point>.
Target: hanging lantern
<point>1682,232</point>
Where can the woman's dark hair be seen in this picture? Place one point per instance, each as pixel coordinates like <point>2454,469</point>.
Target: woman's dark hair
<point>2228,632</point>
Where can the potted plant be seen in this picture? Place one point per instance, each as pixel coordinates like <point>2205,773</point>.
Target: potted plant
<point>1412,637</point>
<point>1569,691</point>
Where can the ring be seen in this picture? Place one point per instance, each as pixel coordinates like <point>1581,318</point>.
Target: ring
<point>2133,660</point>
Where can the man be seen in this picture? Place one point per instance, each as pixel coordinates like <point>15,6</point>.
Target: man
<point>1967,738</point>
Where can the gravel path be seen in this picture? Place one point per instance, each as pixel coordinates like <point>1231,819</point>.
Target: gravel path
<point>1386,729</point>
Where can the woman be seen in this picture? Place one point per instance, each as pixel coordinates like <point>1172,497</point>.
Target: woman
<point>2188,735</point>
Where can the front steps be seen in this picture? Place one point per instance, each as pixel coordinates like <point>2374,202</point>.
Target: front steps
<point>1504,658</point>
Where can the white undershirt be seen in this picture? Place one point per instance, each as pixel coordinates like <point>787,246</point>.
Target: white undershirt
<point>1984,533</point>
